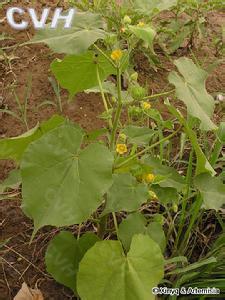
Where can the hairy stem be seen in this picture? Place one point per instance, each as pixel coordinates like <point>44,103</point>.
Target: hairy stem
<point>118,110</point>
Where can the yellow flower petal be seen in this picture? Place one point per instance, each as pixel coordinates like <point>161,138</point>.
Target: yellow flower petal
<point>121,148</point>
<point>116,54</point>
<point>146,105</point>
<point>141,24</point>
<point>149,178</point>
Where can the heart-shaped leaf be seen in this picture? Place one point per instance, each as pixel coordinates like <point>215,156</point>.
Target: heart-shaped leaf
<point>69,181</point>
<point>203,164</point>
<point>86,29</point>
<point>138,135</point>
<point>13,148</point>
<point>125,194</point>
<point>64,254</point>
<point>172,178</point>
<point>136,223</point>
<point>145,33</point>
<point>106,273</point>
<point>147,7</point>
<point>212,190</point>
<point>190,88</point>
<point>77,73</point>
<point>166,195</point>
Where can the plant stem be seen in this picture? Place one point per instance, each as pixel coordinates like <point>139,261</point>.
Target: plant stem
<point>158,95</point>
<point>103,96</point>
<point>115,224</point>
<point>102,226</point>
<point>118,110</point>
<point>148,148</point>
<point>106,56</point>
<point>161,146</point>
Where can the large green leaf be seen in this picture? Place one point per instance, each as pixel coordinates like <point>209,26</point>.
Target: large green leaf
<point>172,178</point>
<point>155,231</point>
<point>125,194</point>
<point>145,33</point>
<point>136,223</point>
<point>106,273</point>
<point>64,254</point>
<point>85,30</point>
<point>77,73</point>
<point>63,184</point>
<point>133,224</point>
<point>166,194</point>
<point>212,190</point>
<point>203,164</point>
<point>138,135</point>
<point>109,87</point>
<point>147,7</point>
<point>190,88</point>
<point>13,148</point>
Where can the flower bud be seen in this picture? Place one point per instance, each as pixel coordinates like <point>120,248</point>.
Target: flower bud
<point>138,92</point>
<point>134,76</point>
<point>127,20</point>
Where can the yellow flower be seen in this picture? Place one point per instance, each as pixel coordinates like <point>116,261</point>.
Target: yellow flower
<point>149,178</point>
<point>152,195</point>
<point>116,54</point>
<point>122,29</point>
<point>121,148</point>
<point>141,24</point>
<point>146,105</point>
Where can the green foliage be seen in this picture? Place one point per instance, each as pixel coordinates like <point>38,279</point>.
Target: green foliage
<point>221,132</point>
<point>145,33</point>
<point>172,179</point>
<point>13,148</point>
<point>86,29</point>
<point>190,88</point>
<point>64,254</point>
<point>129,277</point>
<point>212,190</point>
<point>203,164</point>
<point>71,69</point>
<point>166,195</point>
<point>150,7</point>
<point>66,176</point>
<point>125,194</point>
<point>136,223</point>
<point>13,180</point>
<point>138,135</point>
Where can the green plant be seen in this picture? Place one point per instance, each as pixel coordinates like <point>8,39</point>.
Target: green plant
<point>57,102</point>
<point>188,25</point>
<point>69,176</point>
<point>21,113</point>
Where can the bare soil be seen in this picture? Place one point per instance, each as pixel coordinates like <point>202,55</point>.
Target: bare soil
<point>22,261</point>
